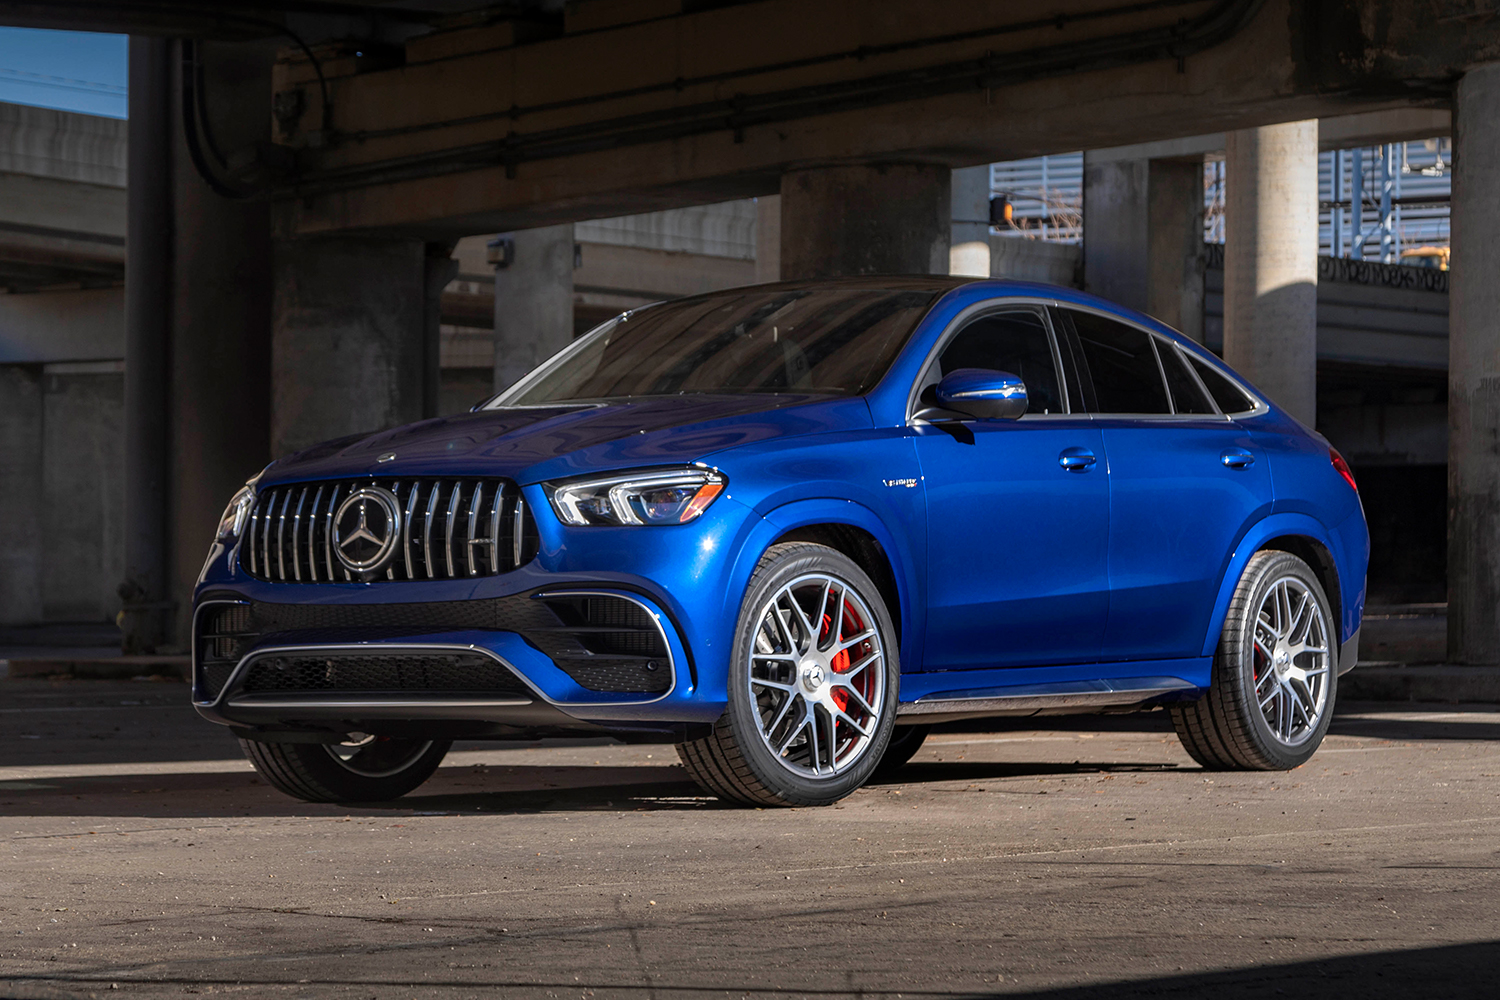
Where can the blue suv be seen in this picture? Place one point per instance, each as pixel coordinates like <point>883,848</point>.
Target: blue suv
<point>788,528</point>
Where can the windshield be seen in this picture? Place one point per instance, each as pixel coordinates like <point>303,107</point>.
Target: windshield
<point>836,341</point>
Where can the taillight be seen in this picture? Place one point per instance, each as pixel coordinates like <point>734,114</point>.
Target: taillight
<point>1342,468</point>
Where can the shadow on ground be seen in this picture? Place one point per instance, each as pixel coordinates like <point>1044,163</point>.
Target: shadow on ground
<point>1455,972</point>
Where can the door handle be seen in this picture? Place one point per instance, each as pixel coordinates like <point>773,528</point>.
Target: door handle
<point>1237,458</point>
<point>1076,459</point>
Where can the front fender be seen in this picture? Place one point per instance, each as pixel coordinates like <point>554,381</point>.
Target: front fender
<point>1351,601</point>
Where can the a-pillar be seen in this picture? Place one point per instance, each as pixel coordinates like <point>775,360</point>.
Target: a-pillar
<point>1271,262</point>
<point>1143,236</point>
<point>1474,374</point>
<point>533,299</point>
<point>969,250</point>
<point>884,218</point>
<point>353,336</point>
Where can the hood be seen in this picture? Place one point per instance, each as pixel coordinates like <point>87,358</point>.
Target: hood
<point>532,444</point>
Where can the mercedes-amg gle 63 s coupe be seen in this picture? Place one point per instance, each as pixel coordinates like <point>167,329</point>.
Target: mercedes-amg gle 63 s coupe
<point>787,528</point>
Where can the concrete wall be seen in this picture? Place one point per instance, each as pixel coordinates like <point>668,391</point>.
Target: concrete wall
<point>79,325</point>
<point>1035,260</point>
<point>20,494</point>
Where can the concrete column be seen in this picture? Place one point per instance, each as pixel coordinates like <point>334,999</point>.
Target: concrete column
<point>768,238</point>
<point>348,344</point>
<point>1175,258</point>
<point>1474,373</point>
<point>220,349</point>
<point>20,494</point>
<point>1271,262</point>
<point>969,249</point>
<point>1143,238</point>
<point>533,301</point>
<point>887,218</point>
<point>145,591</point>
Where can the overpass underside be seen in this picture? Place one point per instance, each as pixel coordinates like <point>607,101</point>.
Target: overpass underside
<point>317,160</point>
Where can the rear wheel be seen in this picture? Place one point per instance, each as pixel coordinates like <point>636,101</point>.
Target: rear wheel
<point>812,685</point>
<point>361,769</point>
<point>1274,675</point>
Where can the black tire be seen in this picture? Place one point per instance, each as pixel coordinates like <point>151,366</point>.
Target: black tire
<point>1227,729</point>
<point>905,742</point>
<point>377,769</point>
<point>736,761</point>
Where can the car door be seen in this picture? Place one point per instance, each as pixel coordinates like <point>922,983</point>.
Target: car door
<point>1185,482</point>
<point>1017,510</point>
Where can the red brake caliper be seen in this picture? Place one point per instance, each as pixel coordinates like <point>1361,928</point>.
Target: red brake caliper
<point>841,661</point>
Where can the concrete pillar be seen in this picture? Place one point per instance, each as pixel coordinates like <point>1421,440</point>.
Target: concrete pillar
<point>145,591</point>
<point>20,494</point>
<point>1271,262</point>
<point>768,238</point>
<point>884,218</point>
<point>220,350</point>
<point>1143,237</point>
<point>969,249</point>
<point>533,301</point>
<point>1175,259</point>
<point>1474,373</point>
<point>349,348</point>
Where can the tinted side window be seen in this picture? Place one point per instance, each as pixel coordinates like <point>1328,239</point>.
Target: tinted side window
<point>1228,395</point>
<point>1123,366</point>
<point>1186,396</point>
<point>1014,342</point>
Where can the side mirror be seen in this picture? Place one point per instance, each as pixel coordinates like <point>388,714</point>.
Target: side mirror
<point>979,392</point>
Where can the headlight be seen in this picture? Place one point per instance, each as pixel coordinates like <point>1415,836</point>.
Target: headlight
<point>659,497</point>
<point>236,514</point>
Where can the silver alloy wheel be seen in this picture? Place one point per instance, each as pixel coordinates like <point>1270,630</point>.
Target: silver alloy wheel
<point>817,676</point>
<point>374,756</point>
<point>1291,661</point>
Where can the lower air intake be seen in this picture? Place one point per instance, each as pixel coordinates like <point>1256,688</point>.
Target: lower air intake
<point>365,673</point>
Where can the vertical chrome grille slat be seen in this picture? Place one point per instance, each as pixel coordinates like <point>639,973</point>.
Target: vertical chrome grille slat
<point>432,501</point>
<point>333,499</point>
<point>473,524</point>
<point>518,533</point>
<point>496,503</point>
<point>297,536</point>
<point>411,507</point>
<point>312,535</point>
<point>472,518</point>
<point>281,537</point>
<point>265,536</point>
<point>448,524</point>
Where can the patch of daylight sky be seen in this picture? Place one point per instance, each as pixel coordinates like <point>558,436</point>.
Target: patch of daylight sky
<point>82,71</point>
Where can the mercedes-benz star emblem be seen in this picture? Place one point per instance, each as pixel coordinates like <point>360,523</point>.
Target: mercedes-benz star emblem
<point>366,530</point>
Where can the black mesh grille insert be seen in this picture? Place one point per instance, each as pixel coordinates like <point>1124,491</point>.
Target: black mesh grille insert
<point>377,673</point>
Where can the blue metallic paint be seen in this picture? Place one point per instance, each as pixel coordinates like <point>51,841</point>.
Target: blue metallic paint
<point>797,461</point>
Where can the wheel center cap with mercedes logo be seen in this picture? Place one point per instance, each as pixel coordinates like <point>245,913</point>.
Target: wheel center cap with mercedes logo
<point>366,530</point>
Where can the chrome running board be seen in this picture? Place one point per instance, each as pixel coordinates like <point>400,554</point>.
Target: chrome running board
<point>1031,699</point>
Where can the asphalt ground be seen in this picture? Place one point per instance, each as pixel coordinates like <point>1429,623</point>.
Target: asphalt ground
<point>1078,858</point>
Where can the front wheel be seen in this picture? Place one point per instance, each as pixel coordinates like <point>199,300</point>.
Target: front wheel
<point>1275,673</point>
<point>362,768</point>
<point>812,685</point>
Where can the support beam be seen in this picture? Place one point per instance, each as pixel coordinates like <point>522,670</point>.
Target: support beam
<point>1474,374</point>
<point>20,494</point>
<point>533,301</point>
<point>768,238</point>
<point>1271,262</point>
<point>348,343</point>
<point>888,218</point>
<point>146,621</point>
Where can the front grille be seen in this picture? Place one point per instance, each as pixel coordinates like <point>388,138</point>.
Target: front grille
<point>371,673</point>
<point>449,528</point>
<point>604,642</point>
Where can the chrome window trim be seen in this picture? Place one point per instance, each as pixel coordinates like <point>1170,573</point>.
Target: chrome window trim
<point>1260,404</point>
<point>1027,303</point>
